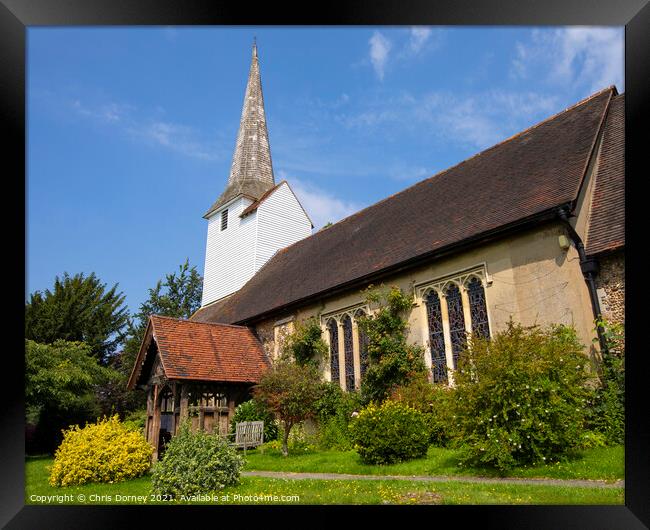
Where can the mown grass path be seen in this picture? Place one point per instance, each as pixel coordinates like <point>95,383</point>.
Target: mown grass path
<point>504,480</point>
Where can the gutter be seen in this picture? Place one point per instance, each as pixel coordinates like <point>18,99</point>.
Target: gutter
<point>589,268</point>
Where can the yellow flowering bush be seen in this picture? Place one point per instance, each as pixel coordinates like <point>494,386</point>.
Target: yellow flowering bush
<point>106,451</point>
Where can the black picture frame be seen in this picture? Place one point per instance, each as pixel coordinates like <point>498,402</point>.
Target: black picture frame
<point>17,15</point>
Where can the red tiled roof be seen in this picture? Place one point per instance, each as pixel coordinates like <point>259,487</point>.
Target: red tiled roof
<point>606,231</point>
<point>206,352</point>
<point>521,178</point>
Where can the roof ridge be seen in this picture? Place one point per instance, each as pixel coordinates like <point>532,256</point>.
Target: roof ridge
<point>201,322</point>
<point>257,202</point>
<point>596,144</point>
<point>539,124</point>
<point>443,171</point>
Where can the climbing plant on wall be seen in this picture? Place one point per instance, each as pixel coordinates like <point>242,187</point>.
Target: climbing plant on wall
<point>391,360</point>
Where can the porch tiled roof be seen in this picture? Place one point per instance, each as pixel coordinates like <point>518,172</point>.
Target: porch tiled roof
<point>206,352</point>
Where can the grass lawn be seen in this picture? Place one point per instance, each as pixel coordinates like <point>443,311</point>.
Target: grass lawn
<point>253,490</point>
<point>604,463</point>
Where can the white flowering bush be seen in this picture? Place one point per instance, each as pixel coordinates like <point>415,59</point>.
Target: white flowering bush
<point>196,463</point>
<point>521,396</point>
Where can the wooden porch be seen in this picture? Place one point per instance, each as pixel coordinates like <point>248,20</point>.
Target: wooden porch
<point>194,371</point>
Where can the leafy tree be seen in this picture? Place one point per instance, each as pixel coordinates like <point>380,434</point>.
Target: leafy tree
<point>306,345</point>
<point>290,391</point>
<point>60,384</point>
<point>392,361</point>
<point>78,309</point>
<point>178,295</point>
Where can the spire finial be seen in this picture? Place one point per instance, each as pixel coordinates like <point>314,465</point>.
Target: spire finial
<point>254,46</point>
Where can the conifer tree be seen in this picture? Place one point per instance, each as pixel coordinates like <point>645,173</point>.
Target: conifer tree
<point>79,308</point>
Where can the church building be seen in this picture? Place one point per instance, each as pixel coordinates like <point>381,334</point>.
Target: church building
<point>530,229</point>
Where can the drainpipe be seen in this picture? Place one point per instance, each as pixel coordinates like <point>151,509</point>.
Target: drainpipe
<point>589,268</point>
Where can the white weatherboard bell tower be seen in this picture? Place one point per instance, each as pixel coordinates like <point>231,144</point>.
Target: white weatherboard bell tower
<point>254,217</point>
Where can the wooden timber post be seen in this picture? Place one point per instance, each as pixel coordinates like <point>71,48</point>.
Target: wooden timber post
<point>184,403</point>
<point>156,422</point>
<point>174,396</point>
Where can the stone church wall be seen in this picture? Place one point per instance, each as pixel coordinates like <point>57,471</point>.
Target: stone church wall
<point>611,287</point>
<point>264,332</point>
<point>273,335</point>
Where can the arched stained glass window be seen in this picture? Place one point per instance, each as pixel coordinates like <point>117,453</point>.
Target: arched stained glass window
<point>348,353</point>
<point>363,345</point>
<point>334,349</point>
<point>436,338</point>
<point>478,308</point>
<point>456,321</point>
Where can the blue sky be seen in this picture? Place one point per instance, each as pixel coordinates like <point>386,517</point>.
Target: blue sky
<point>131,130</point>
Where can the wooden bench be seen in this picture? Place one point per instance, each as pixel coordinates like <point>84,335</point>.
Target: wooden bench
<point>248,434</point>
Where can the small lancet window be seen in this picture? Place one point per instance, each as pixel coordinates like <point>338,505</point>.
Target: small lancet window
<point>478,308</point>
<point>456,321</point>
<point>334,349</point>
<point>436,338</point>
<point>224,219</point>
<point>363,344</point>
<point>349,356</point>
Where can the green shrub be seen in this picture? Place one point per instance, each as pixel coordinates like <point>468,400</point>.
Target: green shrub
<point>607,413</point>
<point>135,420</point>
<point>592,439</point>
<point>106,451</point>
<point>329,401</point>
<point>388,433</point>
<point>334,411</point>
<point>302,439</point>
<point>521,397</point>
<point>252,410</point>
<point>196,463</point>
<point>607,404</point>
<point>435,402</point>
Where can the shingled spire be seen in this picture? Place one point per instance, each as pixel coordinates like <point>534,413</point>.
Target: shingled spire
<point>251,172</point>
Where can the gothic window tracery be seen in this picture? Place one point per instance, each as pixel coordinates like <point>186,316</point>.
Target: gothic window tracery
<point>348,353</point>
<point>334,349</point>
<point>456,321</point>
<point>478,308</point>
<point>436,338</point>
